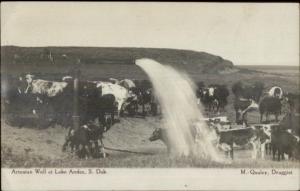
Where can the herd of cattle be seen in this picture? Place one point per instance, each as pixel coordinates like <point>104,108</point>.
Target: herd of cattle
<point>101,103</point>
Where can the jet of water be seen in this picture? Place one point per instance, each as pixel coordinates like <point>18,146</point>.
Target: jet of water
<point>175,92</point>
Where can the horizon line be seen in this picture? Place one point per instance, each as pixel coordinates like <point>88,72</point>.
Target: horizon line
<point>83,46</point>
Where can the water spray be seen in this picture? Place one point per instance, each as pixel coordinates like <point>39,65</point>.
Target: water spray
<point>187,131</point>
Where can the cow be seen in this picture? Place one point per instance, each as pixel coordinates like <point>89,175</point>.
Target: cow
<point>241,107</point>
<point>221,94</point>
<point>53,104</point>
<point>284,142</point>
<point>293,100</point>
<point>14,103</point>
<point>162,134</point>
<point>44,87</point>
<point>54,99</point>
<point>276,91</point>
<point>267,128</point>
<point>213,97</point>
<point>121,94</point>
<point>270,105</point>
<point>248,91</point>
<point>290,124</point>
<point>241,137</point>
<point>206,96</point>
<point>93,105</point>
<point>83,139</point>
<point>221,122</point>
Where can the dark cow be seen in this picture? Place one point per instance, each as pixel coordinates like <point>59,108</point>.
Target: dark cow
<point>85,140</point>
<point>283,142</point>
<point>242,137</point>
<point>248,91</point>
<point>221,94</point>
<point>15,105</point>
<point>289,128</point>
<point>270,105</point>
<point>241,107</point>
<point>213,97</point>
<point>162,134</point>
<point>294,102</point>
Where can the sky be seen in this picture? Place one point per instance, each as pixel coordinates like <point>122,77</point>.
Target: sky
<point>255,34</point>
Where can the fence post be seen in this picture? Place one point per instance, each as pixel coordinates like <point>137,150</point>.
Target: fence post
<point>76,117</point>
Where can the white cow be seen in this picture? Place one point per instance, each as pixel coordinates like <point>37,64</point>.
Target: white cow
<point>43,87</point>
<point>121,94</point>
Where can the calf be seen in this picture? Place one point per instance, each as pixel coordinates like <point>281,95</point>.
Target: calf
<point>81,140</point>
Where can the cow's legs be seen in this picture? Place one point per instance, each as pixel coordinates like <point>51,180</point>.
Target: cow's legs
<point>254,150</point>
<point>144,112</point>
<point>267,117</point>
<point>237,115</point>
<point>87,149</point>
<point>263,150</point>
<point>261,117</point>
<point>268,149</point>
<point>244,119</point>
<point>65,145</point>
<point>231,151</point>
<point>102,148</point>
<point>279,154</point>
<point>274,149</point>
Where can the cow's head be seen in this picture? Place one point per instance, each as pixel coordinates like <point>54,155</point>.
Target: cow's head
<point>25,83</point>
<point>89,90</point>
<point>278,93</point>
<point>211,91</point>
<point>263,132</point>
<point>156,135</point>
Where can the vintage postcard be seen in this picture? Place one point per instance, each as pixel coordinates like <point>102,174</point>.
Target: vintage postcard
<point>149,96</point>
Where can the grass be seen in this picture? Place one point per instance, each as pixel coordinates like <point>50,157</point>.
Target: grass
<point>161,160</point>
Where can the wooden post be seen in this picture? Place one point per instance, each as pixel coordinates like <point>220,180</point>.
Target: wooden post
<point>76,117</point>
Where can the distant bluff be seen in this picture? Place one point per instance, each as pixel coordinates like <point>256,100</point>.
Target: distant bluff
<point>201,62</point>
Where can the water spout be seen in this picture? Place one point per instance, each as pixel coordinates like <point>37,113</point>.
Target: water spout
<point>181,114</point>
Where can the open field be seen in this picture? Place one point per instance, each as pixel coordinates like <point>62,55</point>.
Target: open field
<point>286,70</point>
<point>127,142</point>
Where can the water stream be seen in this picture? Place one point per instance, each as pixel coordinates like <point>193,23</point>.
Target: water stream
<point>182,117</point>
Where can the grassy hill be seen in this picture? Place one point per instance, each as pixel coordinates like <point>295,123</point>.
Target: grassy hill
<point>61,56</point>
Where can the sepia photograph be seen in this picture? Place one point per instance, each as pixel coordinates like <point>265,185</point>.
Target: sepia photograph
<point>137,93</point>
